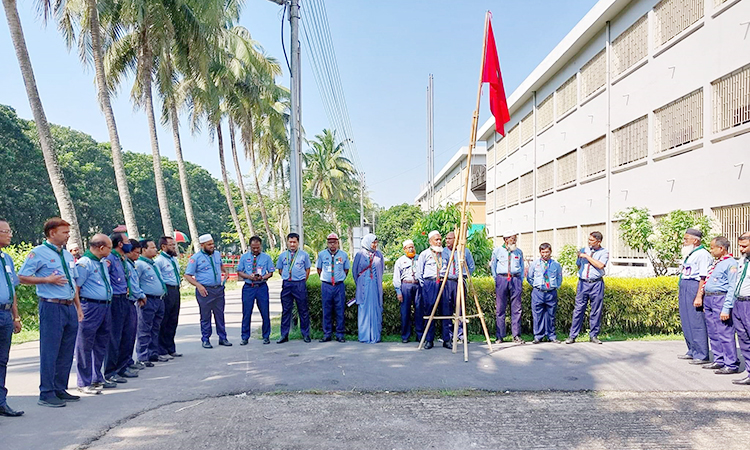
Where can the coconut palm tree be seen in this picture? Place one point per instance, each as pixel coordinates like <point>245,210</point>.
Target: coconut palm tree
<point>329,173</point>
<point>57,180</point>
<point>240,182</point>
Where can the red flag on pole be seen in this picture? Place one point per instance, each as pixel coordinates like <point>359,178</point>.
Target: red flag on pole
<point>491,74</point>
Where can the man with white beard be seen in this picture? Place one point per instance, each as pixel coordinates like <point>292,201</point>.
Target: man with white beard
<point>693,271</point>
<point>428,274</point>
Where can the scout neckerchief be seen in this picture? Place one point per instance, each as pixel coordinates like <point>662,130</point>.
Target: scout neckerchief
<point>509,253</point>
<point>174,267</point>
<point>7,277</point>
<point>438,264</point>
<point>413,265</point>
<point>291,265</point>
<point>742,277</point>
<point>64,264</point>
<point>333,265</point>
<point>369,266</point>
<point>588,268</point>
<point>686,258</point>
<point>156,271</point>
<point>93,257</point>
<point>125,269</point>
<point>545,275</point>
<point>255,266</point>
<point>213,264</point>
<point>716,263</point>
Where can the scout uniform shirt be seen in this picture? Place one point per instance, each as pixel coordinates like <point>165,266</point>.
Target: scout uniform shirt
<point>453,271</point>
<point>428,265</point>
<point>93,278</point>
<point>205,268</point>
<point>169,268</point>
<point>299,262</point>
<point>46,260</point>
<point>722,277</point>
<point>332,266</point>
<point>8,281</point>
<point>405,269</point>
<point>506,263</point>
<point>696,264</point>
<point>545,275</point>
<point>588,272</point>
<point>262,265</point>
<point>134,285</point>
<point>150,278</point>
<point>117,273</point>
<point>741,286</point>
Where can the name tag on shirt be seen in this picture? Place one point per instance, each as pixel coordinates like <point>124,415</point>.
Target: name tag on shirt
<point>71,264</point>
<point>7,269</point>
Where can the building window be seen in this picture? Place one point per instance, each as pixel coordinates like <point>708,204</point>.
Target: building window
<point>630,142</point>
<point>679,122</point>
<point>567,169</point>
<point>490,205</point>
<point>620,249</point>
<point>512,193</point>
<point>545,178</point>
<point>594,74</point>
<point>527,128</point>
<point>541,238</point>
<point>513,139</point>
<point>630,47</point>
<point>500,198</point>
<point>586,230</point>
<point>732,99</point>
<point>674,16</point>
<point>491,156</point>
<point>594,155</point>
<point>565,236</point>
<point>501,151</point>
<point>526,244</point>
<point>567,96</point>
<point>545,113</point>
<point>734,220</point>
<point>527,186</point>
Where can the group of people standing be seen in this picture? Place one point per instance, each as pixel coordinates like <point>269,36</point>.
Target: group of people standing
<point>714,298</point>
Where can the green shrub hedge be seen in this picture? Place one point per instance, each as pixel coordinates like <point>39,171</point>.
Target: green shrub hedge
<point>631,305</point>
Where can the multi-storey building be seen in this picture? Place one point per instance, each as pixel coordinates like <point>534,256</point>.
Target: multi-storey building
<point>644,103</point>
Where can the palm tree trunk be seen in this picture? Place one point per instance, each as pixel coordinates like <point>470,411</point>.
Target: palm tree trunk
<point>249,150</point>
<point>186,200</point>
<point>56,178</point>
<point>109,116</point>
<point>161,190</point>
<point>240,182</point>
<point>227,190</point>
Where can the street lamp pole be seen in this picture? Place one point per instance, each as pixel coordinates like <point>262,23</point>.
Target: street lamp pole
<point>295,159</point>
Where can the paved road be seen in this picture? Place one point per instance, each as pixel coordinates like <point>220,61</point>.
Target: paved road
<point>645,367</point>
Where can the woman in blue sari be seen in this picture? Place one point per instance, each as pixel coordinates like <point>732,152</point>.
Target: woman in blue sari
<point>367,271</point>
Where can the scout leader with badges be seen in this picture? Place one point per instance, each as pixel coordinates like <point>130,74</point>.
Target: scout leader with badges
<point>693,272</point>
<point>333,267</point>
<point>10,321</point>
<point>507,268</point>
<point>138,300</point>
<point>545,276</point>
<point>428,274</point>
<point>255,268</point>
<point>738,300</point>
<point>591,263</point>
<point>205,271</point>
<point>151,314</point>
<point>407,289</point>
<point>448,304</point>
<point>95,292</point>
<point>169,268</point>
<point>294,267</point>
<point>53,270</point>
<point>722,276</point>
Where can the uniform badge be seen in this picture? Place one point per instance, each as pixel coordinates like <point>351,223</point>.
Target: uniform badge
<point>31,255</point>
<point>192,260</point>
<point>733,269</point>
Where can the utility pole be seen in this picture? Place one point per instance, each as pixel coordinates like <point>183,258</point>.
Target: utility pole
<point>295,157</point>
<point>430,146</point>
<point>362,205</point>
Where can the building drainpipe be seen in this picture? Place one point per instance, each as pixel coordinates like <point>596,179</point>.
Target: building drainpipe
<point>609,141</point>
<point>535,244</point>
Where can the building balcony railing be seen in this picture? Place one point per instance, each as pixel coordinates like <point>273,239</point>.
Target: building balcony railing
<point>478,177</point>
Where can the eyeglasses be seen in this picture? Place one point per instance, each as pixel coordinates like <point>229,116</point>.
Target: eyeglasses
<point>8,232</point>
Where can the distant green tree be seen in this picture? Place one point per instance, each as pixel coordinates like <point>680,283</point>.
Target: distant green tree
<point>394,226</point>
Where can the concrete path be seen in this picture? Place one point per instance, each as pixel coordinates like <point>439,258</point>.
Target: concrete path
<point>202,374</point>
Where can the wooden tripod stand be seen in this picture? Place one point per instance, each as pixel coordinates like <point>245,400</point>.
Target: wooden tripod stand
<point>458,253</point>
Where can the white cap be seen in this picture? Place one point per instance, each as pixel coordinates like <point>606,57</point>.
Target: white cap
<point>205,238</point>
<point>71,246</point>
<point>408,242</point>
<point>433,233</point>
<point>509,233</point>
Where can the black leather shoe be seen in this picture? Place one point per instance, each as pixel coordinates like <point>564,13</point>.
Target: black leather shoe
<point>595,340</point>
<point>150,364</point>
<point>684,357</point>
<point>64,395</point>
<point>429,345</point>
<point>713,366</point>
<point>325,339</point>
<point>266,341</point>
<point>225,343</point>
<point>726,371</point>
<point>283,339</point>
<point>206,344</point>
<point>9,412</point>
<point>341,339</point>
<point>243,342</point>
<point>699,362</point>
<point>744,381</point>
<point>307,339</point>
<point>447,345</point>
<point>52,402</point>
<point>175,355</point>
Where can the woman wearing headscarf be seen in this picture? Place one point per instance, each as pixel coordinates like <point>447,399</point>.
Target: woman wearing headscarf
<point>367,271</point>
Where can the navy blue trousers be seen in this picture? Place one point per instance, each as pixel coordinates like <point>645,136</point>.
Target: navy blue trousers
<point>149,321</point>
<point>720,333</point>
<point>428,296</point>
<point>213,303</point>
<point>58,328</point>
<point>6,333</point>
<point>741,321</point>
<point>334,303</point>
<point>294,292</point>
<point>410,293</point>
<point>448,308</point>
<point>508,291</point>
<point>543,309</point>
<point>121,336</point>
<point>588,293</point>
<point>251,294</point>
<point>92,341</point>
<point>168,328</point>
<point>693,322</point>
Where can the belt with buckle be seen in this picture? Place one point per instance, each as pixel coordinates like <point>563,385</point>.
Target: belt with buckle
<point>409,281</point>
<point>57,301</point>
<point>93,300</point>
<point>743,299</point>
<point>596,280</point>
<point>6,306</point>
<point>714,293</point>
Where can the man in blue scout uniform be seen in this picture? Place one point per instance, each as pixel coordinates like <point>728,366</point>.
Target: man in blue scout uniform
<point>738,302</point>
<point>95,292</point>
<point>333,267</point>
<point>591,263</point>
<point>407,289</point>
<point>204,271</point>
<point>545,276</point>
<point>151,314</point>
<point>294,267</point>
<point>120,310</point>
<point>507,267</point>
<point>52,269</point>
<point>137,298</point>
<point>255,268</point>
<point>169,268</point>
<point>693,271</point>
<point>10,321</point>
<point>428,274</point>
<point>722,276</point>
<point>448,302</point>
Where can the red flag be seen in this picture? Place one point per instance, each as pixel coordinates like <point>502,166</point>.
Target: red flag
<point>491,74</point>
